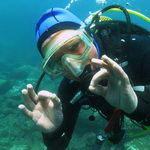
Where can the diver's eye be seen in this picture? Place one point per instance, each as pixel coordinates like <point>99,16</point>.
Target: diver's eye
<point>74,44</point>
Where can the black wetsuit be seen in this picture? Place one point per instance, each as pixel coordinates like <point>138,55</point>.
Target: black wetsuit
<point>138,69</point>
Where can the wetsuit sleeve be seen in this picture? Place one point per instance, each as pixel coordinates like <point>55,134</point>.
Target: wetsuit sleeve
<point>138,54</point>
<point>139,61</point>
<point>142,112</point>
<point>59,140</point>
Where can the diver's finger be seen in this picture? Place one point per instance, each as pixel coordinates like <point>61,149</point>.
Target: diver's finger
<point>25,110</point>
<point>99,62</point>
<point>99,90</point>
<point>121,74</point>
<point>43,98</point>
<point>109,61</point>
<point>55,99</point>
<point>27,99</point>
<point>32,93</point>
<point>99,76</point>
<point>116,69</point>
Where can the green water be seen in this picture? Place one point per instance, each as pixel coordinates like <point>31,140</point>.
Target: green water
<point>20,65</point>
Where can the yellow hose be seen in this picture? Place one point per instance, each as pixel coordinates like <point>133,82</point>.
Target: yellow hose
<point>143,17</point>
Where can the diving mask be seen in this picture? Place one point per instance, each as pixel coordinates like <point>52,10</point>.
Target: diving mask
<point>68,56</point>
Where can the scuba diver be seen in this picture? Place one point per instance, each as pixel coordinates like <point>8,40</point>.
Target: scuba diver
<point>105,64</point>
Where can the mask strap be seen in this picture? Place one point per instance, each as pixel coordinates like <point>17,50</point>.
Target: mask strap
<point>39,82</point>
<point>98,47</point>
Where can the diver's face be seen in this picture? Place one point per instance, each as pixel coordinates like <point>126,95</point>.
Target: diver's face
<point>69,51</point>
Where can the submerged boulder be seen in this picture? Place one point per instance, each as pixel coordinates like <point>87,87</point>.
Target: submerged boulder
<point>5,85</point>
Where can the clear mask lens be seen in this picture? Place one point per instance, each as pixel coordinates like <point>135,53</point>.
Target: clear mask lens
<point>71,56</point>
<point>54,68</point>
<point>76,63</point>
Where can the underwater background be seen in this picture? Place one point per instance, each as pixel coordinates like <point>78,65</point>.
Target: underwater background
<point>20,65</point>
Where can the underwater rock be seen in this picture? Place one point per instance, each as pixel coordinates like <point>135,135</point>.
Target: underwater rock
<point>21,72</point>
<point>5,85</point>
<point>4,142</point>
<point>20,147</point>
<point>15,91</point>
<point>24,72</point>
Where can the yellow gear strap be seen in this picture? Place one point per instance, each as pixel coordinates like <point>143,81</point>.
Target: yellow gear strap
<point>105,18</point>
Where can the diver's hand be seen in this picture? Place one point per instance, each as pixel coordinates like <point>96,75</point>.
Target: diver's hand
<point>44,109</point>
<point>118,92</point>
